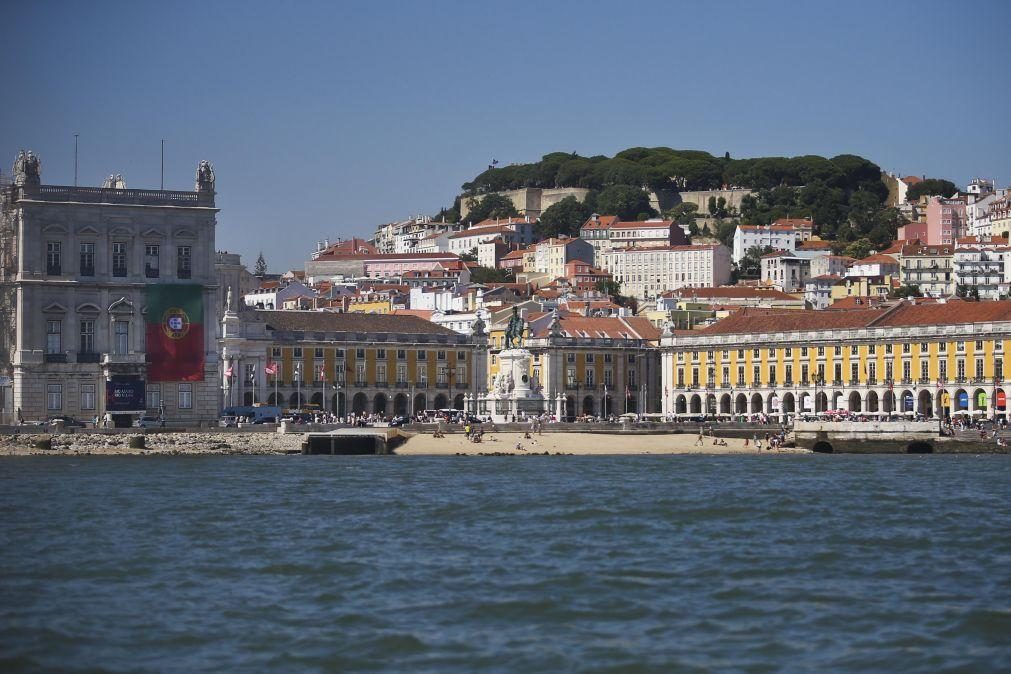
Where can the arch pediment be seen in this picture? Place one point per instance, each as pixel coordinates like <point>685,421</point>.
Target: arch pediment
<point>184,233</point>
<point>88,230</point>
<point>54,308</point>
<point>122,306</point>
<point>121,231</point>
<point>152,233</point>
<point>88,308</point>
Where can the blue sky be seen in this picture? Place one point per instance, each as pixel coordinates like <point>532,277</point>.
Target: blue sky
<point>324,119</point>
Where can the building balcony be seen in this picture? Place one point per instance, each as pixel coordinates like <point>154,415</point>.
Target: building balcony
<point>979,380</point>
<point>961,380</point>
<point>837,382</point>
<point>54,270</point>
<point>872,382</point>
<point>123,359</point>
<point>89,357</point>
<point>55,358</point>
<point>924,380</point>
<point>854,381</point>
<point>401,384</point>
<point>87,271</point>
<point>361,384</point>
<point>442,385</point>
<point>461,387</point>
<point>421,384</point>
<point>906,381</point>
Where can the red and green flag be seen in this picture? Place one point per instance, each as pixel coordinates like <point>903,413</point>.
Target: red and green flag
<point>175,332</point>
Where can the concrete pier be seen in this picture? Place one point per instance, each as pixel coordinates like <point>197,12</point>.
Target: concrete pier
<point>353,441</point>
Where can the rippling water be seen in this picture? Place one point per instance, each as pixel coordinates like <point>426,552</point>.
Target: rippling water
<point>526,564</point>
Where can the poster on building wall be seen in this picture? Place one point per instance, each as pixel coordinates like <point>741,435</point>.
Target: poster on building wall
<point>125,394</point>
<point>175,332</point>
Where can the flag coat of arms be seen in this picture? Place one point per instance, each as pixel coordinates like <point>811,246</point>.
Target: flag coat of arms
<point>175,332</point>
<point>270,368</point>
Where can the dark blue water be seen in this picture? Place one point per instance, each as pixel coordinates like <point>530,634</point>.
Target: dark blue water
<point>521,564</point>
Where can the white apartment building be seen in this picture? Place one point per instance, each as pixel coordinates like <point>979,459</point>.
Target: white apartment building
<point>836,265</point>
<point>512,231</point>
<point>406,236</point>
<point>783,234</point>
<point>983,264</point>
<point>786,272</point>
<point>551,255</point>
<point>433,243</point>
<point>648,272</point>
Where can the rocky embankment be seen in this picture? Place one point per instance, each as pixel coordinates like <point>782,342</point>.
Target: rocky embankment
<point>24,444</point>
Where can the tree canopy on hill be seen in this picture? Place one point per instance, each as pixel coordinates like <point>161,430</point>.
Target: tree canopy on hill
<point>844,195</point>
<point>666,168</point>
<point>931,187</point>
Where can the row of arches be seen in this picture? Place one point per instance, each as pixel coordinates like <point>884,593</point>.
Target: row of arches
<point>605,406</point>
<point>925,402</point>
<point>380,403</point>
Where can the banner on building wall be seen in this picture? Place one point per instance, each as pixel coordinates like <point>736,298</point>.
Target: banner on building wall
<point>808,404</point>
<point>963,401</point>
<point>945,399</point>
<point>175,332</point>
<point>1001,400</point>
<point>981,400</point>
<point>125,394</point>
<point>907,402</point>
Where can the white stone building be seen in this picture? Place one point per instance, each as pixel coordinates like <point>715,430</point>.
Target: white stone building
<point>648,272</point>
<point>86,258</point>
<point>783,234</point>
<point>785,271</point>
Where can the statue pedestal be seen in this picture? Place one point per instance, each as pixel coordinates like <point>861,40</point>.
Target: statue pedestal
<point>513,395</point>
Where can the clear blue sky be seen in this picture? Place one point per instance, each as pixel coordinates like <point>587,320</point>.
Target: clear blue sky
<point>324,119</point>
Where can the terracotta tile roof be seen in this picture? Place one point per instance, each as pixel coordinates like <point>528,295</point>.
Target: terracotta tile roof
<point>603,222</point>
<point>826,277</point>
<point>750,321</point>
<point>812,244</point>
<point>424,314</point>
<point>483,231</point>
<point>520,220</point>
<point>644,224</point>
<point>794,222</point>
<point>914,249</point>
<point>607,327</point>
<point>952,312</point>
<point>854,302</point>
<point>329,321</point>
<point>730,292</point>
<point>513,255</point>
<point>879,258</point>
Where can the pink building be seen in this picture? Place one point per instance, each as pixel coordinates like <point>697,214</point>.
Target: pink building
<point>912,232</point>
<point>396,264</point>
<point>945,220</point>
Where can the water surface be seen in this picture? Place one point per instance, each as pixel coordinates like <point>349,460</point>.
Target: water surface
<point>519,564</point>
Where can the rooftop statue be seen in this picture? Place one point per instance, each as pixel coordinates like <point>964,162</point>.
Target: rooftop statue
<point>514,331</point>
<point>27,169</point>
<point>205,177</point>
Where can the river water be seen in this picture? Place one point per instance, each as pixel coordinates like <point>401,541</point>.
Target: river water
<point>511,564</point>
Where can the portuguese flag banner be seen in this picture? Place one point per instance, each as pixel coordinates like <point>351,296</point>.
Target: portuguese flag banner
<point>175,332</point>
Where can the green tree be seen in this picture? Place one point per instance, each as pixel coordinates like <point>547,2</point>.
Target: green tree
<point>624,201</point>
<point>469,256</point>
<point>859,249</point>
<point>907,291</point>
<point>750,265</point>
<point>607,287</point>
<point>562,219</point>
<point>260,269</point>
<point>931,187</point>
<point>490,207</point>
<point>490,275</point>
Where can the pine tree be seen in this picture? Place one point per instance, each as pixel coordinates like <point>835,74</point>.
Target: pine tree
<point>261,266</point>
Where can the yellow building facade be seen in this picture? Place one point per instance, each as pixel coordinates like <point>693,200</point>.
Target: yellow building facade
<point>351,363</point>
<point>910,359</point>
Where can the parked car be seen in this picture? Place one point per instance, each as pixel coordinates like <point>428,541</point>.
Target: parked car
<point>265,420</point>
<point>68,422</point>
<point>148,421</point>
<point>228,421</point>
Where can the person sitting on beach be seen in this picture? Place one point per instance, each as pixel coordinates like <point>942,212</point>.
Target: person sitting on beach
<point>519,447</point>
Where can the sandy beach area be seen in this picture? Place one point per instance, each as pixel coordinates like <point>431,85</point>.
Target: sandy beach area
<point>577,443</point>
<point>421,444</point>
